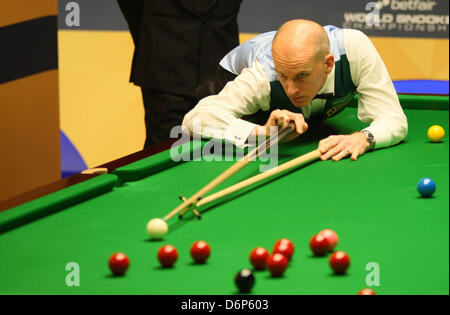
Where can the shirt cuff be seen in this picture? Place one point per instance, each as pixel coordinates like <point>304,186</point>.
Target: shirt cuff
<point>381,135</point>
<point>238,132</point>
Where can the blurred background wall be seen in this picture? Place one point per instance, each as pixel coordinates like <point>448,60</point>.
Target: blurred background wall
<point>29,112</point>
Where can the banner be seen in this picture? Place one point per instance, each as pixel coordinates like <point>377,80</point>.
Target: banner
<point>391,18</point>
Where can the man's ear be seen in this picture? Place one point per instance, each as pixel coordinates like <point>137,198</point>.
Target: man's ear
<point>329,62</point>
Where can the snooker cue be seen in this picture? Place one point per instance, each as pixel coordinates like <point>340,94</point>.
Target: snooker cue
<point>303,159</point>
<point>232,170</point>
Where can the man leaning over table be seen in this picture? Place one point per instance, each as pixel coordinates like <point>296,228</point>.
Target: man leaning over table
<point>300,72</point>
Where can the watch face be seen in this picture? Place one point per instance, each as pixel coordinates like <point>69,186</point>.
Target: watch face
<point>370,138</point>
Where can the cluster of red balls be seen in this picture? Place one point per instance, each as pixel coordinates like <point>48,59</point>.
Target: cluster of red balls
<point>321,244</point>
<point>276,263</point>
<point>167,256</point>
<point>325,242</point>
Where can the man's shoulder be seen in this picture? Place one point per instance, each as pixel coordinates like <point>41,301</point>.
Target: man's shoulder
<point>356,43</point>
<point>350,33</point>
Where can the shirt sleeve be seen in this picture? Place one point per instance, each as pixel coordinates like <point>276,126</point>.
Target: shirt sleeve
<point>219,116</point>
<point>378,101</point>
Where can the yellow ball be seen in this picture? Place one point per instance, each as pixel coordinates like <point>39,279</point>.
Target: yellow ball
<point>436,133</point>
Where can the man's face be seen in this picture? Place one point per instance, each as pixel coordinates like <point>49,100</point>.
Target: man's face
<point>302,79</point>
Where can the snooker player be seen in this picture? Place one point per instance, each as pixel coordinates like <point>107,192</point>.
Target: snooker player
<point>300,72</point>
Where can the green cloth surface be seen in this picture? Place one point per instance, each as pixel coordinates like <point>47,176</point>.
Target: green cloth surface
<point>372,204</point>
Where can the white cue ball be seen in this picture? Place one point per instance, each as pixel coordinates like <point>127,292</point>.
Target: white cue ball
<point>157,228</point>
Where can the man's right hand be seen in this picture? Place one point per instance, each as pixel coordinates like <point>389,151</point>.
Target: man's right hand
<point>281,119</point>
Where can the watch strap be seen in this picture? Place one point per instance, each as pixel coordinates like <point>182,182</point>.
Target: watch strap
<point>370,138</point>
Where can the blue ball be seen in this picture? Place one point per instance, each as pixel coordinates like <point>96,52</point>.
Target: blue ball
<point>426,187</point>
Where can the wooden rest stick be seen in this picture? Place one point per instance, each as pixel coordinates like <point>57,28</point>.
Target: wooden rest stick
<point>253,154</point>
<point>232,170</point>
<point>303,159</point>
<point>197,214</point>
<point>183,212</point>
<point>217,181</point>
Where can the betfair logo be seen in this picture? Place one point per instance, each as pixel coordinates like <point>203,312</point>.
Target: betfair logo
<point>383,3</point>
<point>407,5</point>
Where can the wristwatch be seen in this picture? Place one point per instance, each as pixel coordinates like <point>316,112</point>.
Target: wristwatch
<point>370,138</point>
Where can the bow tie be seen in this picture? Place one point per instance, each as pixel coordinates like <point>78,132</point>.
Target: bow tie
<point>325,96</point>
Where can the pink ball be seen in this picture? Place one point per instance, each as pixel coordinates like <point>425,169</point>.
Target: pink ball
<point>331,236</point>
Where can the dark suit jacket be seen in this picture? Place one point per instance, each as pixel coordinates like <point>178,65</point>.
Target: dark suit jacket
<point>179,43</point>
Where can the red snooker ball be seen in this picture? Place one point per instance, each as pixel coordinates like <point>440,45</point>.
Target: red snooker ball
<point>339,262</point>
<point>284,247</point>
<point>167,256</point>
<point>118,263</point>
<point>366,292</point>
<point>320,245</point>
<point>258,258</point>
<point>331,236</point>
<point>200,252</point>
<point>277,264</point>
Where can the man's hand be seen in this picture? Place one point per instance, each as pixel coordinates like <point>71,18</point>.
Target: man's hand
<point>338,147</point>
<point>281,119</point>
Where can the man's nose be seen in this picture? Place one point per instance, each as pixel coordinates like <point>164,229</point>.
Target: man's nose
<point>291,88</point>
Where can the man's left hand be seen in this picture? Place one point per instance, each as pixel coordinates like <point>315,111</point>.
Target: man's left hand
<point>338,147</point>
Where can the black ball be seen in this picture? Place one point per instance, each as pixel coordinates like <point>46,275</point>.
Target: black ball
<point>244,280</point>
